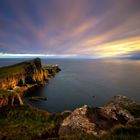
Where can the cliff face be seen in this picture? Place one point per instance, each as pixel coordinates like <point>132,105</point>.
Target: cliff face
<point>16,79</point>
<point>30,72</point>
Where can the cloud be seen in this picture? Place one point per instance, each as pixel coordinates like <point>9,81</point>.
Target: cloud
<point>106,28</point>
<point>131,55</point>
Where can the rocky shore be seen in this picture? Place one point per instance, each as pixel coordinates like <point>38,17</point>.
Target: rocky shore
<point>99,121</point>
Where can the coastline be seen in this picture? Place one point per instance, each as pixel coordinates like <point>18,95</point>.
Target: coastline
<point>31,76</point>
<point>18,119</point>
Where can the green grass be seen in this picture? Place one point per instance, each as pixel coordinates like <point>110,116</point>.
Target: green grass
<point>126,130</point>
<point>134,110</point>
<point>10,70</point>
<point>119,132</point>
<point>22,122</point>
<point>5,93</point>
<point>20,67</point>
<point>91,137</point>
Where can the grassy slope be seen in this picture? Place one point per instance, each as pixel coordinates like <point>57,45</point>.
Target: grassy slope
<point>22,122</point>
<point>119,132</point>
<point>134,110</point>
<point>20,67</point>
<point>6,71</point>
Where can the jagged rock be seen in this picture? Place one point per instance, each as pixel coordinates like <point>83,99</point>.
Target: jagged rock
<point>77,122</point>
<point>117,113</point>
<point>86,120</point>
<point>116,108</point>
<point>121,100</point>
<point>97,121</point>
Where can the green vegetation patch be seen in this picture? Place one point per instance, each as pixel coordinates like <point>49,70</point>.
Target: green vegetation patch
<point>23,122</point>
<point>126,130</point>
<point>10,70</point>
<point>6,93</point>
<point>134,110</point>
<point>91,137</point>
<point>119,132</point>
<point>20,67</point>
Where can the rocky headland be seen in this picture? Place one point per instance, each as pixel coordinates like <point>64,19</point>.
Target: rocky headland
<point>18,78</point>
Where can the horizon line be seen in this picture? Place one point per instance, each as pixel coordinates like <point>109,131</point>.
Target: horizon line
<point>61,56</point>
<point>22,55</point>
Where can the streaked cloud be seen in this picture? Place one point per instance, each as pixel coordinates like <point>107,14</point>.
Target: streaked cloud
<point>94,28</point>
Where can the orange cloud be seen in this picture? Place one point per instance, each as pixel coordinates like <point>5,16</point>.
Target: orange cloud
<point>117,48</point>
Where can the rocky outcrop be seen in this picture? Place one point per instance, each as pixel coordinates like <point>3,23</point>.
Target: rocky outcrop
<point>121,100</point>
<point>97,121</point>
<point>16,79</point>
<point>29,72</point>
<point>115,109</point>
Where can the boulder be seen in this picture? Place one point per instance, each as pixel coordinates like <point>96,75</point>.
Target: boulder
<point>97,121</point>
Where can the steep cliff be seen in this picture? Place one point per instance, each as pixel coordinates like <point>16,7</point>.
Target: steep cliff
<point>19,77</point>
<point>29,72</point>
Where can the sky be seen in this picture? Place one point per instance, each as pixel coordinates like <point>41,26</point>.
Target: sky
<point>70,28</point>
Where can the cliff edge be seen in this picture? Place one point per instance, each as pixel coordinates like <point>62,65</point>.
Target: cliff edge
<point>28,72</point>
<point>17,78</point>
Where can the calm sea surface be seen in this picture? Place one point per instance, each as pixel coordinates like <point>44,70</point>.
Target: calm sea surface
<point>80,80</point>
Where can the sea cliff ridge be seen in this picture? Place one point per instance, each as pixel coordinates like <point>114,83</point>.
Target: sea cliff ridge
<point>16,79</point>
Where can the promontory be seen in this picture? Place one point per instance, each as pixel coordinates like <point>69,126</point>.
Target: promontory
<point>18,78</point>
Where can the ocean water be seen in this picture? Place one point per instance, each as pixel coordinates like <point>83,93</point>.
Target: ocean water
<point>91,82</point>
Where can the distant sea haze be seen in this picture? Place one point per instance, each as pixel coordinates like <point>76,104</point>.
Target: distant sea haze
<point>83,81</point>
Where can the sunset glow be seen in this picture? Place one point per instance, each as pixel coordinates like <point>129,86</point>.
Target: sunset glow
<point>70,28</point>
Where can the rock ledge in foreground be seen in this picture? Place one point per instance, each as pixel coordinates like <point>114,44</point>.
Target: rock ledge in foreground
<point>97,121</point>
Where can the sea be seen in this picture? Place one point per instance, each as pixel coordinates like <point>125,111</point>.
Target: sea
<point>85,81</point>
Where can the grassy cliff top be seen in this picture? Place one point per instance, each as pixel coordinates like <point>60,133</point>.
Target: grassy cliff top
<point>19,68</point>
